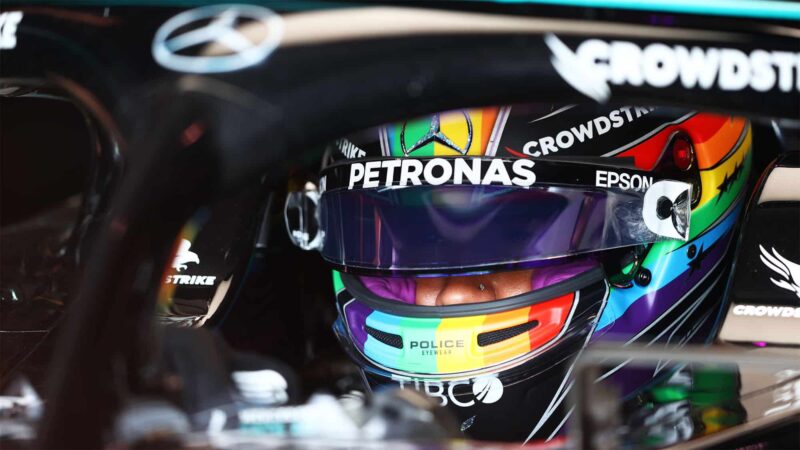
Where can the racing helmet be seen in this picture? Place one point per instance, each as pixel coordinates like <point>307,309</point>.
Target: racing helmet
<point>477,252</point>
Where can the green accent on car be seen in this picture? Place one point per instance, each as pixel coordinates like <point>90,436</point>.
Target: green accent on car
<point>761,9</point>
<point>338,284</point>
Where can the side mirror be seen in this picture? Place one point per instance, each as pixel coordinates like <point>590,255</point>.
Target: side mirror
<point>301,215</point>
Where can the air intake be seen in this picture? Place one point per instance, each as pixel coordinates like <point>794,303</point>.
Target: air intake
<point>390,339</point>
<point>493,337</point>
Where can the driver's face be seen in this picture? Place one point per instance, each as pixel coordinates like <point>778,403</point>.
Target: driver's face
<point>473,288</point>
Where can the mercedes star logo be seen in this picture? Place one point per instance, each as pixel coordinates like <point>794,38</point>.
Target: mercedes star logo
<point>434,134</point>
<point>211,39</point>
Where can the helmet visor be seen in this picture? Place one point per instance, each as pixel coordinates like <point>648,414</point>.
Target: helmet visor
<point>453,227</point>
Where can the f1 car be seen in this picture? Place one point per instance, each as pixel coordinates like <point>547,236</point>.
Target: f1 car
<point>560,223</point>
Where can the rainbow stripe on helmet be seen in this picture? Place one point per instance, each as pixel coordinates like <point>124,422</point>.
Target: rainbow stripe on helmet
<point>457,345</point>
<point>724,158</point>
<point>469,130</point>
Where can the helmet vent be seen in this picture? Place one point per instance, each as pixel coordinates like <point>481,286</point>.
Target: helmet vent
<point>390,339</point>
<point>493,337</point>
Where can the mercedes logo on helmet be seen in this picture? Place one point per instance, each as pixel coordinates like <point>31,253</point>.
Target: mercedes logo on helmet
<point>435,134</point>
<point>212,39</point>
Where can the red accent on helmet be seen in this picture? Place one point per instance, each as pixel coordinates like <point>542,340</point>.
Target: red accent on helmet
<point>682,152</point>
<point>701,127</point>
<point>552,316</point>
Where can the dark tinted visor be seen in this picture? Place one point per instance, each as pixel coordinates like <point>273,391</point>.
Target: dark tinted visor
<point>457,226</point>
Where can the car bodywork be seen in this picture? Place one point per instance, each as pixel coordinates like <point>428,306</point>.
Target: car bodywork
<point>178,126</point>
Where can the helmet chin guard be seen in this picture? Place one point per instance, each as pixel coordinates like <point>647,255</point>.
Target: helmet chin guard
<point>482,359</point>
<point>457,341</point>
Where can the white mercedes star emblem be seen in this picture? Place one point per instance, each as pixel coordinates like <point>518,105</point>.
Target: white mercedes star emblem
<point>179,43</point>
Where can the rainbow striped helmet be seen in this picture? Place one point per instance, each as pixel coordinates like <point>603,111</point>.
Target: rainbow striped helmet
<point>477,252</point>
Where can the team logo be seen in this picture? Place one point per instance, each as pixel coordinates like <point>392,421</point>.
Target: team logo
<point>766,311</point>
<point>184,256</point>
<point>789,272</point>
<point>485,389</point>
<point>595,64</point>
<point>576,71</point>
<point>435,134</point>
<point>439,171</point>
<point>622,180</point>
<point>584,132</point>
<point>211,39</point>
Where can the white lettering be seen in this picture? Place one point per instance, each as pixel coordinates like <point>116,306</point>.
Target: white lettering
<point>439,393</point>
<point>616,121</point>
<point>407,175</point>
<point>8,29</point>
<point>433,180</point>
<point>596,52</point>
<point>769,311</point>
<point>371,174</point>
<point>601,178</point>
<point>439,171</point>
<point>734,70</point>
<point>390,165</point>
<point>484,389</point>
<point>624,181</point>
<point>661,65</point>
<point>349,150</point>
<point>528,148</point>
<point>462,169</point>
<point>523,169</point>
<point>547,145</point>
<point>191,280</point>
<point>613,178</point>
<point>496,173</point>
<point>697,67</point>
<point>785,61</point>
<point>583,132</point>
<point>763,75</point>
<point>356,174</point>
<point>624,56</point>
<point>564,139</point>
<point>452,394</point>
<point>602,125</point>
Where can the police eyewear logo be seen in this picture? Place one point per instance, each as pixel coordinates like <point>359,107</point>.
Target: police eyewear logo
<point>595,63</point>
<point>440,347</point>
<point>435,134</point>
<point>463,393</point>
<point>211,39</point>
